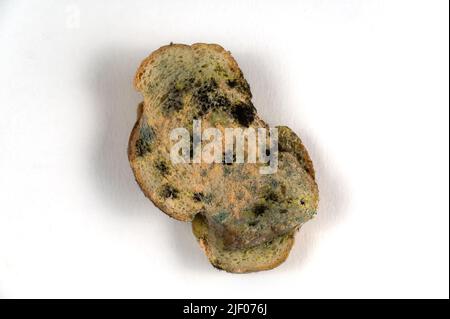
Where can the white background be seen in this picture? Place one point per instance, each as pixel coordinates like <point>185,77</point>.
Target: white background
<point>364,83</point>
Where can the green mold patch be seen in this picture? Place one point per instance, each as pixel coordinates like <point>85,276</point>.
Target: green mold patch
<point>145,140</point>
<point>221,216</point>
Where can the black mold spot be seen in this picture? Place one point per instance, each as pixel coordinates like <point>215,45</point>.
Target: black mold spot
<point>302,202</point>
<point>174,99</point>
<point>146,136</point>
<point>198,197</point>
<point>162,167</point>
<point>169,192</point>
<point>208,98</point>
<point>244,88</point>
<point>202,95</point>
<point>281,147</point>
<point>240,84</point>
<point>272,196</point>
<point>232,83</point>
<point>201,197</point>
<point>220,101</point>
<point>260,209</point>
<point>220,70</point>
<point>244,113</point>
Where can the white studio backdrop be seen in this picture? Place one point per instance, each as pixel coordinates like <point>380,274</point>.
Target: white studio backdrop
<point>364,83</point>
